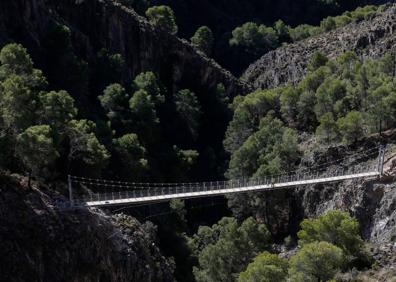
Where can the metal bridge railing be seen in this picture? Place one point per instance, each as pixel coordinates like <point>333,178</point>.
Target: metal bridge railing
<point>134,192</point>
<point>206,188</point>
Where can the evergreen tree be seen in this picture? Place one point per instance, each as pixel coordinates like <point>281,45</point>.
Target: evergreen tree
<point>203,39</point>
<point>56,108</point>
<point>288,104</point>
<point>317,60</point>
<point>335,227</point>
<point>148,82</point>
<point>36,150</point>
<point>115,102</point>
<point>225,249</point>
<point>351,126</point>
<point>185,158</point>
<point>327,130</point>
<point>162,17</point>
<point>328,24</point>
<point>189,109</point>
<point>380,111</point>
<point>20,85</point>
<point>256,39</point>
<point>282,31</point>
<point>306,115</point>
<point>143,108</point>
<point>131,155</point>
<point>266,267</point>
<point>86,152</point>
<point>317,261</point>
<point>327,94</point>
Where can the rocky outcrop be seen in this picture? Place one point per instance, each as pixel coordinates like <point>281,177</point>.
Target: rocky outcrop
<point>372,201</point>
<point>40,243</point>
<point>287,64</point>
<point>97,24</point>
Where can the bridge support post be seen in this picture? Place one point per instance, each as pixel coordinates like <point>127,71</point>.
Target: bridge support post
<point>381,158</point>
<point>69,184</point>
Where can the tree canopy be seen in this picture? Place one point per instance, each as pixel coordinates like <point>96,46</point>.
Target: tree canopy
<point>317,261</point>
<point>255,38</point>
<point>162,17</point>
<point>335,227</point>
<point>189,109</point>
<point>266,267</point>
<point>203,39</point>
<point>35,147</point>
<point>225,249</point>
<point>85,148</point>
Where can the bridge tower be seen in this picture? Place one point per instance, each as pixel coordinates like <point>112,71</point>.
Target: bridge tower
<point>381,158</point>
<point>69,184</point>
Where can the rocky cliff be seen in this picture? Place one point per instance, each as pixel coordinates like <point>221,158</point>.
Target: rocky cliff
<point>372,201</point>
<point>40,243</point>
<point>97,24</point>
<point>369,38</point>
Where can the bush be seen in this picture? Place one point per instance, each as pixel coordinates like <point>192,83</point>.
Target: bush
<point>303,31</point>
<point>328,24</point>
<point>317,60</point>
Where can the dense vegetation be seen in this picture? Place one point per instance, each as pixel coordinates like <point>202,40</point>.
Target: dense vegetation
<point>127,140</point>
<point>39,122</point>
<point>229,251</point>
<point>97,121</point>
<point>338,100</point>
<point>256,39</point>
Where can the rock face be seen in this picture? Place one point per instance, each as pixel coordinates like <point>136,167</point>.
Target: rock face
<point>369,38</point>
<point>372,201</point>
<point>39,243</point>
<point>97,24</point>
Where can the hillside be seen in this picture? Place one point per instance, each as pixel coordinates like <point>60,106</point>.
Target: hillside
<point>222,17</point>
<point>369,38</point>
<point>106,24</point>
<point>99,101</point>
<point>40,243</point>
<point>67,40</point>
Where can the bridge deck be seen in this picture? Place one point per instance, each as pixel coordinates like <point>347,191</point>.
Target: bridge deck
<point>225,188</point>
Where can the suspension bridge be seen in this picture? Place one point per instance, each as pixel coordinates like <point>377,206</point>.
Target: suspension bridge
<point>107,193</point>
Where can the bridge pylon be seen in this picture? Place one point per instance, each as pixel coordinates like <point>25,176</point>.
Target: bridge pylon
<point>69,184</point>
<point>381,158</point>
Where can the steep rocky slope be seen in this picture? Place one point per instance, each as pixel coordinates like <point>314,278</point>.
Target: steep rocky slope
<point>223,16</point>
<point>97,24</point>
<point>39,243</point>
<point>372,201</point>
<point>369,38</point>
